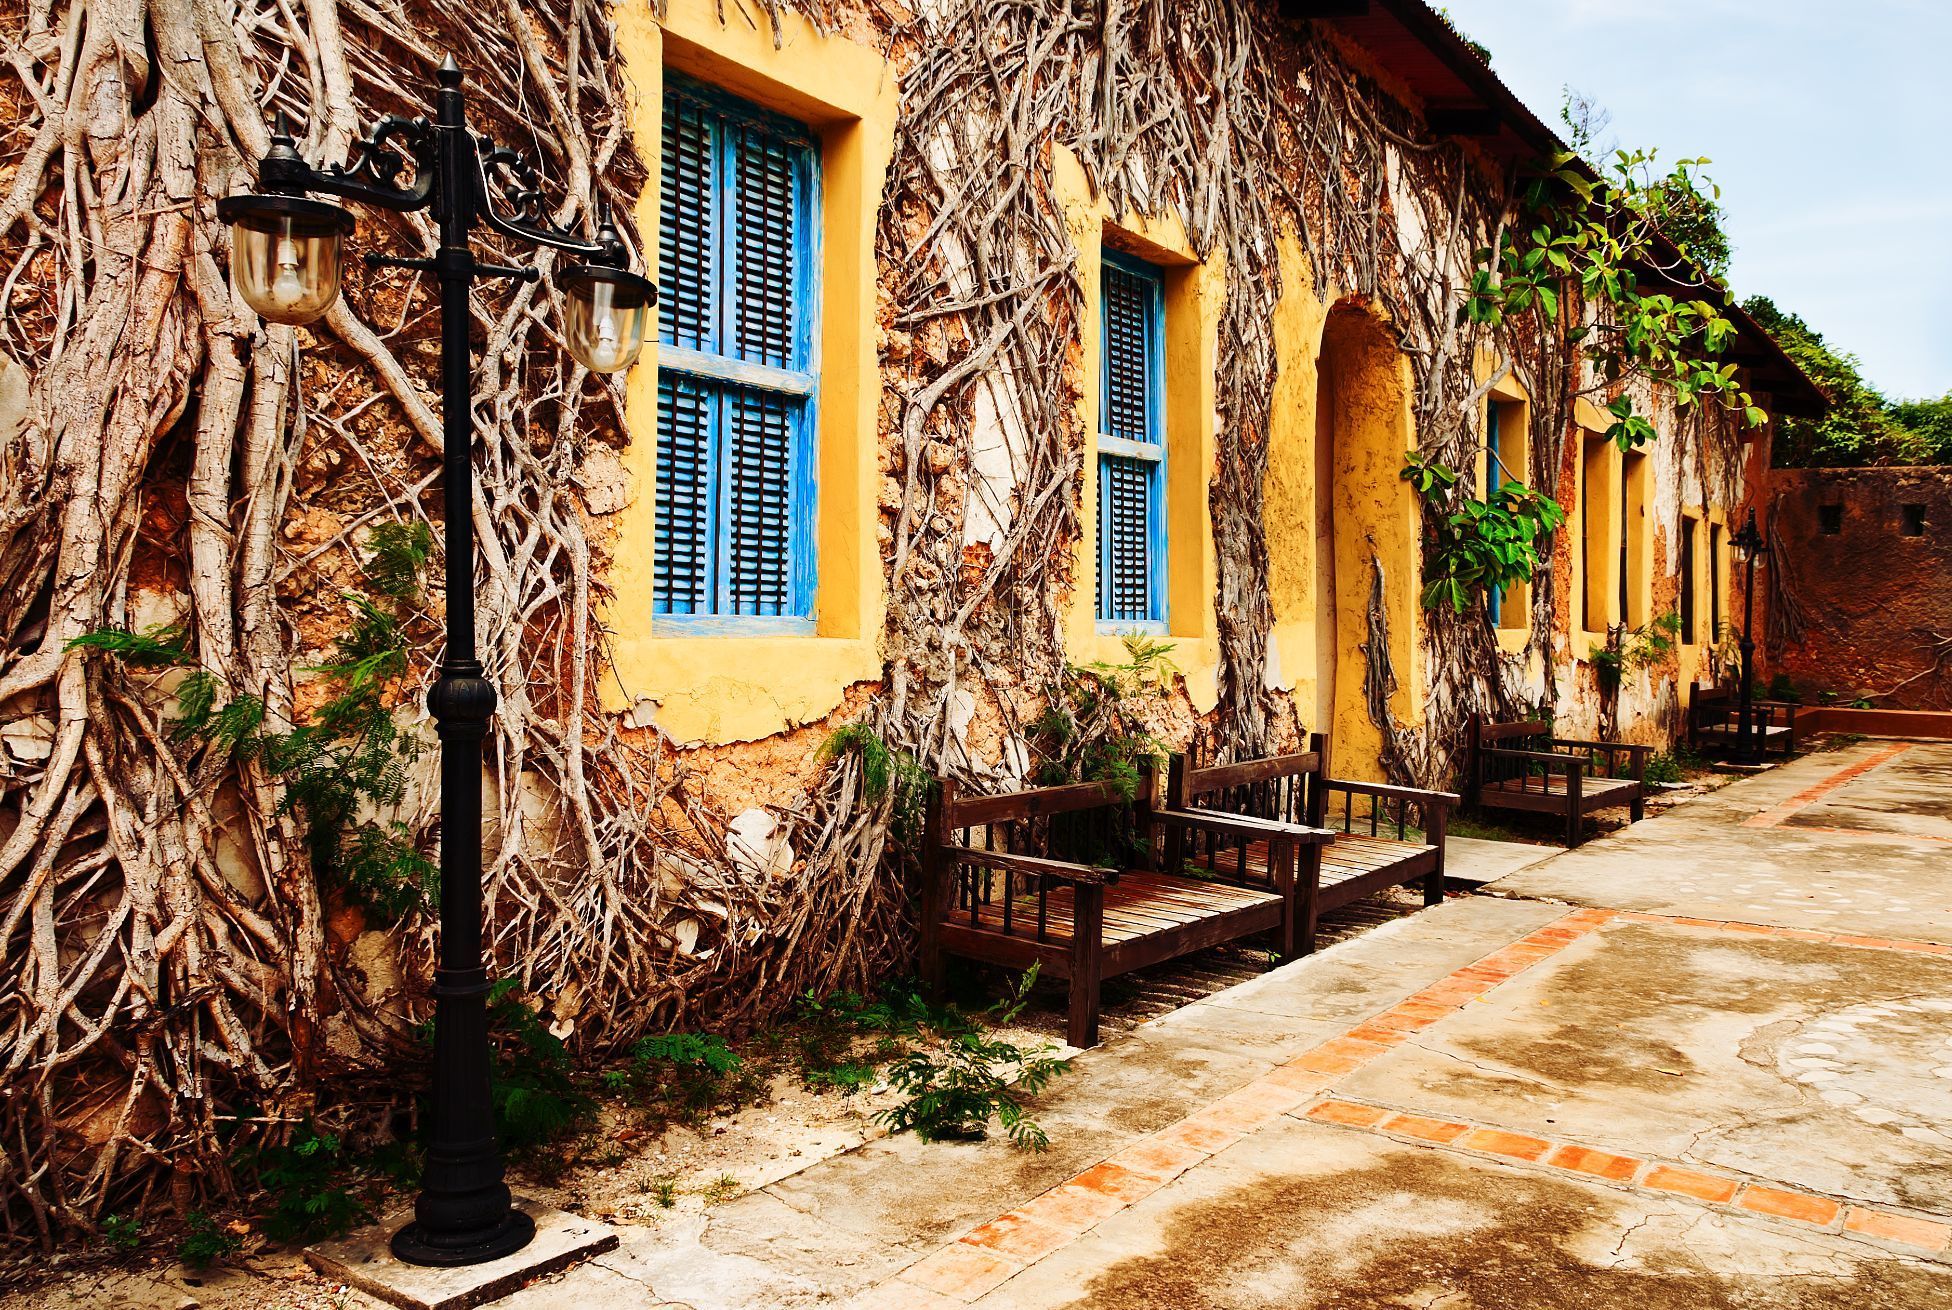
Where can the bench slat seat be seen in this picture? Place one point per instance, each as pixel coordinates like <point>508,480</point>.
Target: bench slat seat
<point>1001,883</point>
<point>1523,767</point>
<point>1369,851</point>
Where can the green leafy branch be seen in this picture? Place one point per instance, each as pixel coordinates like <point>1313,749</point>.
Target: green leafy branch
<point>1593,234</point>
<point>952,1094</point>
<point>1479,545</point>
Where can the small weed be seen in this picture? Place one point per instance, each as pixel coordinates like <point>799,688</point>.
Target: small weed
<point>1676,765</point>
<point>688,1073</point>
<point>124,1233</point>
<point>721,1189</point>
<point>1838,741</point>
<point>846,1079</point>
<point>305,1181</point>
<point>664,1190</point>
<point>952,1094</point>
<point>205,1242</point>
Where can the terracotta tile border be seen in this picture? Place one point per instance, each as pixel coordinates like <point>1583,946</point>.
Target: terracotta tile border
<point>1810,795</point>
<point>989,1255</point>
<point>1803,1208</point>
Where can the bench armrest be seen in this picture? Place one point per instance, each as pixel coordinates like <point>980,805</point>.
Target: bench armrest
<point>1244,825</point>
<point>1085,874</point>
<point>1444,799</point>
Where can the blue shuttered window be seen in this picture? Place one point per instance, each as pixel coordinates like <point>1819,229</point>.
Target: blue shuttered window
<point>1496,475</point>
<point>737,245</point>
<point>1132,448</point>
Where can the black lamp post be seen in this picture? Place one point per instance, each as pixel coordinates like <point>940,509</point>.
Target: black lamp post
<point>1751,543</point>
<point>285,261</point>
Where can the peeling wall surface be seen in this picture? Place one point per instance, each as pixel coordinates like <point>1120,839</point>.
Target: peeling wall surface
<point>1861,600</point>
<point>1340,535</point>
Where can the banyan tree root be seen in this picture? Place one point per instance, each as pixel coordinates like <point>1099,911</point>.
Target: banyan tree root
<point>178,981</point>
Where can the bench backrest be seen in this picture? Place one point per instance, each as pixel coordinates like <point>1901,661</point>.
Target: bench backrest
<point>1483,766</point>
<point>1284,787</point>
<point>1082,822</point>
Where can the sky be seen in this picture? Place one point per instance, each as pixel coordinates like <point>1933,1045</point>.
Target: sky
<point>1830,128</point>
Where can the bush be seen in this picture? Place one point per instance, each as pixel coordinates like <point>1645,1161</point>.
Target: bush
<point>306,1185</point>
<point>952,1094</point>
<point>205,1242</point>
<point>537,1100</point>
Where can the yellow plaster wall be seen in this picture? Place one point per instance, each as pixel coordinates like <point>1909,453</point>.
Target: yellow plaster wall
<point>738,688</point>
<point>1194,294</point>
<point>1297,642</point>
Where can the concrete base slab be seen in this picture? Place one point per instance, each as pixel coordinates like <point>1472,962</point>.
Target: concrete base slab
<point>1475,860</point>
<point>365,1261</point>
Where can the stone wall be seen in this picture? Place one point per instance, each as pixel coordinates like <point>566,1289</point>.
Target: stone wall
<point>1863,597</point>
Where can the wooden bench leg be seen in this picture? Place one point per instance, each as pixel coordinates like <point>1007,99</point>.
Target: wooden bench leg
<point>1435,827</point>
<point>1575,827</point>
<point>1087,962</point>
<point>1308,885</point>
<point>1639,809</point>
<point>1288,877</point>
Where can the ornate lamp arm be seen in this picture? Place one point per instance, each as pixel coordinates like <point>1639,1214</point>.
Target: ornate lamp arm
<point>524,220</point>
<point>373,177</point>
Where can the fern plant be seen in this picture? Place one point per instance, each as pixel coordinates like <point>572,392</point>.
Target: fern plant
<point>350,755</point>
<point>953,1093</point>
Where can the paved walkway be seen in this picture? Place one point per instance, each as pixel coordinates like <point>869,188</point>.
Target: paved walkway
<point>1706,1062</point>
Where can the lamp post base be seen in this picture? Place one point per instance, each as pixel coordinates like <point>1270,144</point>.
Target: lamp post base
<point>416,1246</point>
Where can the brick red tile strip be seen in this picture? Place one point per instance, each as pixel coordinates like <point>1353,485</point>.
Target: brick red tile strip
<point>991,1254</point>
<point>986,1257</point>
<point>1817,791</point>
<point>1776,1202</point>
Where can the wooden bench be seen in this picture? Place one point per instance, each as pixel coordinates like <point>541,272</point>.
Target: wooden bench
<point>1522,766</point>
<point>1064,878</point>
<point>1714,721</point>
<point>1373,845</point>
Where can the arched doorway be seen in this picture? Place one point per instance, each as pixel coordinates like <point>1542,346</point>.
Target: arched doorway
<point>1365,518</point>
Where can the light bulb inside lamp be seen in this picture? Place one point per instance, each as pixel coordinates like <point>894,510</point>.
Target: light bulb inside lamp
<point>606,343</point>
<point>288,287</point>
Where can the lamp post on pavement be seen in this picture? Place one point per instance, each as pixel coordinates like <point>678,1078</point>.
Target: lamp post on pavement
<point>285,261</point>
<point>1751,543</point>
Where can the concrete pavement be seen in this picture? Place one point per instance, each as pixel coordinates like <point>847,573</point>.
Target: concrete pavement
<point>1705,1062</point>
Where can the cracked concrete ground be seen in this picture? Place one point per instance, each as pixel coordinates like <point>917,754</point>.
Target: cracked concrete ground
<point>1734,1118</point>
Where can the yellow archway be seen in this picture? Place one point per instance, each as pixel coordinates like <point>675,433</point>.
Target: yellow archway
<point>1365,519</point>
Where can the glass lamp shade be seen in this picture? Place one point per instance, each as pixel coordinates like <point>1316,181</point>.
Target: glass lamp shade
<point>284,254</point>
<point>609,311</point>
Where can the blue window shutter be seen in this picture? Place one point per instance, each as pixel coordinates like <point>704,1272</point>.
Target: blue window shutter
<point>766,224</point>
<point>759,475</point>
<point>1128,354</point>
<point>688,220</point>
<point>1125,588</point>
<point>1132,478</point>
<point>686,417</point>
<point>737,254</point>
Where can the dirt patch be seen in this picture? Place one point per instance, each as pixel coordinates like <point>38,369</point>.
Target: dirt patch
<point>1418,1230</point>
